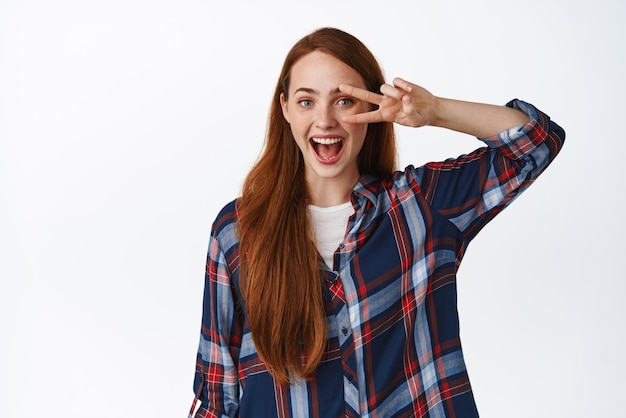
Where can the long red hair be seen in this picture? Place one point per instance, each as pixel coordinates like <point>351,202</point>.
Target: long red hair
<point>280,266</point>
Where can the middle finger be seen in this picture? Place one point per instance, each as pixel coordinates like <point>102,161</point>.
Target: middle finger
<point>391,91</point>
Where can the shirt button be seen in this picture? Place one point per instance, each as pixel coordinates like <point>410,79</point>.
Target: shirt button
<point>344,331</point>
<point>342,245</point>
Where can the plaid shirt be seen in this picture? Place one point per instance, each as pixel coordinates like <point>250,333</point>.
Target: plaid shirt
<point>393,331</point>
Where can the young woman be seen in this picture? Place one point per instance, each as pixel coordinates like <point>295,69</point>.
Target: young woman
<point>330,285</point>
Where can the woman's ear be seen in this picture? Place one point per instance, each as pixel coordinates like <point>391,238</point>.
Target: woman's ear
<point>283,106</point>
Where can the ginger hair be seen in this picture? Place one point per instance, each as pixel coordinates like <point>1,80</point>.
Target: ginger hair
<point>281,277</point>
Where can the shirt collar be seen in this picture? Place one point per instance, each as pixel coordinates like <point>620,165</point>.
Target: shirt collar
<point>366,188</point>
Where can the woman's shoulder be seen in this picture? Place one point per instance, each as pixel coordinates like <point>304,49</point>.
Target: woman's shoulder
<point>224,224</point>
<point>228,211</point>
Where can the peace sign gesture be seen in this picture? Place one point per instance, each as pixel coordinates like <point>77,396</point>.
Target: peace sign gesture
<point>403,102</point>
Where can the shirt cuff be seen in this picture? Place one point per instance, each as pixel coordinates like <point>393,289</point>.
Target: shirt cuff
<point>522,139</point>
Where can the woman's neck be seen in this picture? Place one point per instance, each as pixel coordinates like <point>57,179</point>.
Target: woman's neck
<point>329,192</point>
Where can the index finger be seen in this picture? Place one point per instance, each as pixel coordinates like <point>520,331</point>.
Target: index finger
<point>361,94</point>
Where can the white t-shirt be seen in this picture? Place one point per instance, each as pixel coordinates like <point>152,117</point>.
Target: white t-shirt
<point>329,226</point>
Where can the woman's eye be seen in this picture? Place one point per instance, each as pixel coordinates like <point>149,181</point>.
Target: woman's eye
<point>305,103</point>
<point>345,102</point>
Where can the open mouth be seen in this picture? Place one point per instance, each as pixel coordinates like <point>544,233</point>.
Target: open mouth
<point>327,149</point>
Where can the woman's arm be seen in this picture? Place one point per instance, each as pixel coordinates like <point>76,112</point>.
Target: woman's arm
<point>476,119</point>
<point>216,383</point>
<point>411,105</point>
<point>471,189</point>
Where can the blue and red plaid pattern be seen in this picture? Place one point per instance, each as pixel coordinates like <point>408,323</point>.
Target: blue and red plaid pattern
<point>393,331</point>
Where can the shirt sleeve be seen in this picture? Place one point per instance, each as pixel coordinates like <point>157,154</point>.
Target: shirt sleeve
<point>216,384</point>
<point>471,189</point>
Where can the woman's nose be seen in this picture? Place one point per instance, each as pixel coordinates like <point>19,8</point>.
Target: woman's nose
<point>325,118</point>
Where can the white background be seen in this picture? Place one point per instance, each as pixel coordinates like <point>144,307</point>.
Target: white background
<point>126,125</point>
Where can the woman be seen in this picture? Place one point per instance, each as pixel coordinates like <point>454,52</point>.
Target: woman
<point>331,282</point>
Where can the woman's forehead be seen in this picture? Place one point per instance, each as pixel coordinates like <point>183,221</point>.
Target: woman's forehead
<point>318,72</point>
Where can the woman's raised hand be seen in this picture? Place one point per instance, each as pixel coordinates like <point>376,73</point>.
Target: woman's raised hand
<point>403,102</point>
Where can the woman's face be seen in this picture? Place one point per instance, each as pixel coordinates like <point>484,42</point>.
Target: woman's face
<point>314,109</point>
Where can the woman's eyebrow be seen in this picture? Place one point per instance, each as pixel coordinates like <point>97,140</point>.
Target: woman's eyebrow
<point>313,91</point>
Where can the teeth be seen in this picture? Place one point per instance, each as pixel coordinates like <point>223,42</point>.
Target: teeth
<point>327,141</point>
